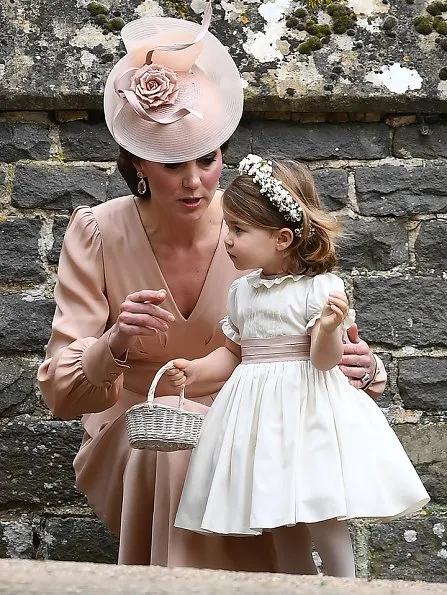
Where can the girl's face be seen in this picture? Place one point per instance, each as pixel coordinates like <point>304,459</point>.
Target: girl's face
<point>184,189</point>
<point>252,247</point>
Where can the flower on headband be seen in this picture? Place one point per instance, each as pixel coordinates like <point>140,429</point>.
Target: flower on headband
<point>262,173</point>
<point>154,86</point>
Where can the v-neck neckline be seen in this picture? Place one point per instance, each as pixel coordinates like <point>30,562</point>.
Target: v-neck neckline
<point>165,285</point>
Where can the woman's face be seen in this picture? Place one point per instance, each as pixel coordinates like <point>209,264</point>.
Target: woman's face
<point>184,189</point>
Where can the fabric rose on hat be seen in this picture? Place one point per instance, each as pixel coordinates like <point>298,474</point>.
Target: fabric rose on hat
<point>154,85</point>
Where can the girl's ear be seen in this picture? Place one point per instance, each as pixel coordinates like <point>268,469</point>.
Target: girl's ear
<point>284,237</point>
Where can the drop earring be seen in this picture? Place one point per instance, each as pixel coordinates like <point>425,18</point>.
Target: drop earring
<point>141,184</point>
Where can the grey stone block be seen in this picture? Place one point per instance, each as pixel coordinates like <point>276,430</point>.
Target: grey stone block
<point>58,187</point>
<point>373,245</point>
<point>25,325</point>
<point>239,145</point>
<point>424,443</point>
<point>422,382</point>
<point>320,141</point>
<point>16,537</point>
<point>409,142</point>
<point>399,191</point>
<point>17,393</point>
<point>410,549</point>
<point>401,311</point>
<point>89,142</point>
<point>3,173</point>
<point>228,175</point>
<point>434,477</point>
<point>19,254</point>
<point>332,186</point>
<point>23,141</point>
<point>59,227</point>
<point>79,539</point>
<point>116,186</point>
<point>431,245</point>
<point>37,462</point>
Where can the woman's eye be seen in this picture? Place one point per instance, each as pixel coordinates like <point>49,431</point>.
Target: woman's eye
<point>208,159</point>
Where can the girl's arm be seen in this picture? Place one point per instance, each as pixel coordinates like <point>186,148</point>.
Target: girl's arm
<point>326,336</point>
<point>216,367</point>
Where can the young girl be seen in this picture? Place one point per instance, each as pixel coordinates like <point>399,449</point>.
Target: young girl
<point>288,440</point>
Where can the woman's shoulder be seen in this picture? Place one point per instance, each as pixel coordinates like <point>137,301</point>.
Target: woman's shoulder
<point>113,207</point>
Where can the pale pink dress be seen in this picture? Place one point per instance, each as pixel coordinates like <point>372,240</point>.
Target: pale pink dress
<point>106,255</point>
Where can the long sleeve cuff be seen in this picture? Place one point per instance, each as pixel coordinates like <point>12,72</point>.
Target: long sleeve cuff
<point>100,367</point>
<point>377,386</point>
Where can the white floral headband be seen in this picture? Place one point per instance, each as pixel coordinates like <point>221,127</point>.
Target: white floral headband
<point>262,173</point>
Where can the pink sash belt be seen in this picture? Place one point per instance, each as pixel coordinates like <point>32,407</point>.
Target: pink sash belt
<point>276,349</point>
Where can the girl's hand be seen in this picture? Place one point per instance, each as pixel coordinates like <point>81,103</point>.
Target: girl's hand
<point>334,311</point>
<point>183,373</point>
<point>140,315</point>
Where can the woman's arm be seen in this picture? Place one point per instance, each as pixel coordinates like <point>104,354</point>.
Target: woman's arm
<point>214,368</point>
<point>80,374</point>
<point>363,369</point>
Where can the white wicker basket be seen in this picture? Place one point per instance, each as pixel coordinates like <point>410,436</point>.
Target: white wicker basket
<point>162,427</point>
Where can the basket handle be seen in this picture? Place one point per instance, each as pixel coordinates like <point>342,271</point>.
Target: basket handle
<point>153,386</point>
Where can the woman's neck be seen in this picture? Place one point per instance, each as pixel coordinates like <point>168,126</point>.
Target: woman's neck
<point>163,229</point>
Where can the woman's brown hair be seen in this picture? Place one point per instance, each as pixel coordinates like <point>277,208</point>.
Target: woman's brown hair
<point>313,251</point>
<point>125,164</point>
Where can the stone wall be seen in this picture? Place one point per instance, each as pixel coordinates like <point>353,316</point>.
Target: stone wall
<point>386,178</point>
<point>363,102</point>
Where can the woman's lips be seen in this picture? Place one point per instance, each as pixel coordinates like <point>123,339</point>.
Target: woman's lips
<point>191,202</point>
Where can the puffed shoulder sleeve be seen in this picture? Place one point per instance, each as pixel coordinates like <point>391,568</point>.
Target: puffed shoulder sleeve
<point>80,374</point>
<point>317,296</point>
<point>229,323</point>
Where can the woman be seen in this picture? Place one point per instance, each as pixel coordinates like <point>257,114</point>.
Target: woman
<point>143,279</point>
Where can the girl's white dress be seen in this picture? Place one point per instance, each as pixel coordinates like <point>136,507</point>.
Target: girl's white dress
<point>284,442</point>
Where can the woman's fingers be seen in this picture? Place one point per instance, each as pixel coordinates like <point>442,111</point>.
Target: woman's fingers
<point>143,321</point>
<point>140,313</point>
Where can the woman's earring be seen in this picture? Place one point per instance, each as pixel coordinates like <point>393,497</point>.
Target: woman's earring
<point>141,184</point>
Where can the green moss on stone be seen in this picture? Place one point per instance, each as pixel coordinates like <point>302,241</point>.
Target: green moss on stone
<point>437,7</point>
<point>423,24</point>
<point>389,23</point>
<point>441,26</point>
<point>310,45</point>
<point>180,7</point>
<point>100,19</point>
<point>300,13</point>
<point>342,16</point>
<point>320,30</point>
<point>291,22</point>
<point>115,24</point>
<point>96,8</point>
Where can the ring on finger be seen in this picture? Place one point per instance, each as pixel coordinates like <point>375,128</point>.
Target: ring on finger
<point>365,378</point>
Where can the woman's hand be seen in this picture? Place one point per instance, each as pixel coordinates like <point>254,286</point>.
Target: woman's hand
<point>358,362</point>
<point>183,373</point>
<point>334,311</point>
<point>140,315</point>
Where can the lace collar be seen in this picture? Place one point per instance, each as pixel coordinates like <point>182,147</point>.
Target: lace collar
<point>256,279</point>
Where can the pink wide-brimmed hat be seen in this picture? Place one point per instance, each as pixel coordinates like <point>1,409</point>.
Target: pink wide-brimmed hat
<point>177,94</point>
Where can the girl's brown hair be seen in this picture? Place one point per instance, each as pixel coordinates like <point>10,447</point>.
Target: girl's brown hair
<point>313,251</point>
<point>125,163</point>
